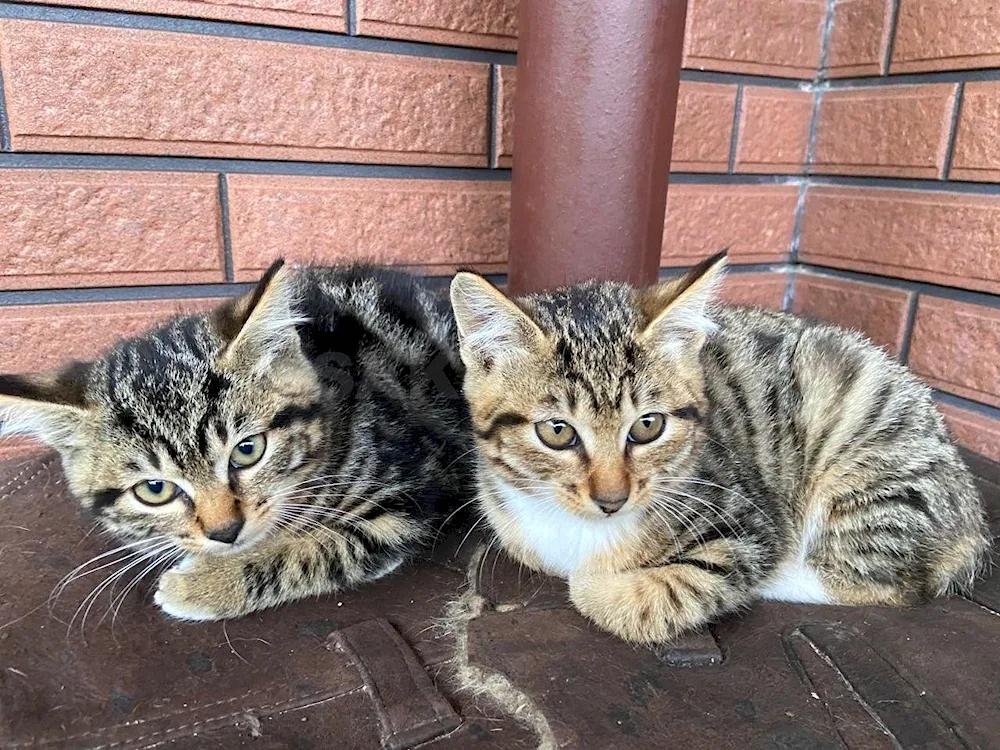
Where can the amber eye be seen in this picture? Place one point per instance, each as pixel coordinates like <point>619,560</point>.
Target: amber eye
<point>556,434</point>
<point>155,491</point>
<point>248,452</point>
<point>647,428</point>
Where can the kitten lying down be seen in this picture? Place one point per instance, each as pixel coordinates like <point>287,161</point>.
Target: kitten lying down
<point>677,460</point>
<point>301,439</point>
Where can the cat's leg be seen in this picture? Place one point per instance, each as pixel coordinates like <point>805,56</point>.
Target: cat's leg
<point>892,549</point>
<point>211,587</point>
<point>656,604</point>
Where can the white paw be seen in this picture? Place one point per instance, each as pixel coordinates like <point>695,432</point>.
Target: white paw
<point>173,597</point>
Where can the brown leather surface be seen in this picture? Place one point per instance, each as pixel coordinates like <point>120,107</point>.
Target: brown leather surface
<point>372,668</point>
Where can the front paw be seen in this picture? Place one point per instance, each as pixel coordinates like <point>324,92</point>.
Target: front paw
<point>199,590</point>
<point>630,605</point>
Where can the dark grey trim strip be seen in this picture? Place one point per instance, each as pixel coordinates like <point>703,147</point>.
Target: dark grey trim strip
<point>121,294</point>
<point>934,290</point>
<point>965,403</point>
<point>748,79</point>
<point>234,30</point>
<point>698,178</point>
<point>246,166</point>
<point>910,79</point>
<point>788,300</point>
<point>227,238</point>
<point>734,137</point>
<point>956,112</point>
<point>894,183</point>
<point>911,316</point>
<point>4,121</point>
<point>734,270</point>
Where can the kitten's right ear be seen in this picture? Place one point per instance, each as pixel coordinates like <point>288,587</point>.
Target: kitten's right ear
<point>490,327</point>
<point>49,407</point>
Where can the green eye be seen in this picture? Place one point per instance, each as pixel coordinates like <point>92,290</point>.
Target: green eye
<point>248,452</point>
<point>556,434</point>
<point>155,491</point>
<point>647,428</point>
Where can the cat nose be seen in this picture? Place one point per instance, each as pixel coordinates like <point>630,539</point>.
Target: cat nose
<point>610,503</point>
<point>226,534</point>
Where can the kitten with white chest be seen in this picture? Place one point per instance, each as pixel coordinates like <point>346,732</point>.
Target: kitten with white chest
<point>677,460</point>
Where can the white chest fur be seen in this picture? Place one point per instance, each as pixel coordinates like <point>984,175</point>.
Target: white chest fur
<point>563,541</point>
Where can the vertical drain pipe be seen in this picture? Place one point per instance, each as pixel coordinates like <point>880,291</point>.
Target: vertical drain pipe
<point>593,129</point>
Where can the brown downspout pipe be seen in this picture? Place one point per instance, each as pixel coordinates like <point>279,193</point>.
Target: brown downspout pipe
<point>593,128</point>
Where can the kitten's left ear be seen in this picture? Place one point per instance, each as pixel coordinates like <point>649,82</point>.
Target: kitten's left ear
<point>261,325</point>
<point>49,407</point>
<point>679,312</point>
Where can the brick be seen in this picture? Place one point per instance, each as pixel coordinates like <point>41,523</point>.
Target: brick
<point>760,37</point>
<point>774,130</point>
<point>430,225</point>
<point>755,222</point>
<point>504,128</point>
<point>954,348</point>
<point>977,432</point>
<point>942,238</point>
<point>764,289</point>
<point>704,127</point>
<point>467,23</point>
<point>945,35</point>
<point>875,310</point>
<point>69,228</point>
<point>34,338</point>
<point>887,131</point>
<point>321,15</point>
<point>102,90</point>
<point>859,37</point>
<point>977,149</point>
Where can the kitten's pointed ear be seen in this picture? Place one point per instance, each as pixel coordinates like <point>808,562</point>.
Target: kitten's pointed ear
<point>49,407</point>
<point>261,325</point>
<point>490,327</point>
<point>679,311</point>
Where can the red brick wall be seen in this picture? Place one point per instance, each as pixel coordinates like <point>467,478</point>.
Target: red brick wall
<point>156,154</point>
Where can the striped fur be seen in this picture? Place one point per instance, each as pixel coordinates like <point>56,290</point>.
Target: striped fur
<point>352,376</point>
<point>798,462</point>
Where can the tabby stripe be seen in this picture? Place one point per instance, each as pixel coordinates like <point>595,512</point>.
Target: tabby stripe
<point>708,567</point>
<point>507,419</point>
<point>295,413</point>
<point>687,412</point>
<point>105,498</point>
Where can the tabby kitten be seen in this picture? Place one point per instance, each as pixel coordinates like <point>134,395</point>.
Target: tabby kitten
<point>676,460</point>
<point>306,437</point>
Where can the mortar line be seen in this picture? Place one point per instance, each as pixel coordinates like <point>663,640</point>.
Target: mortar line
<point>352,17</point>
<point>911,317</point>
<point>227,236</point>
<point>949,149</point>
<point>734,137</point>
<point>5,144</point>
<point>116,162</point>
<point>492,115</point>
<point>969,404</point>
<point>891,41</point>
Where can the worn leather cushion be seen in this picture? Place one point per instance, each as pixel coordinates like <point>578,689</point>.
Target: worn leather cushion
<point>374,668</point>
